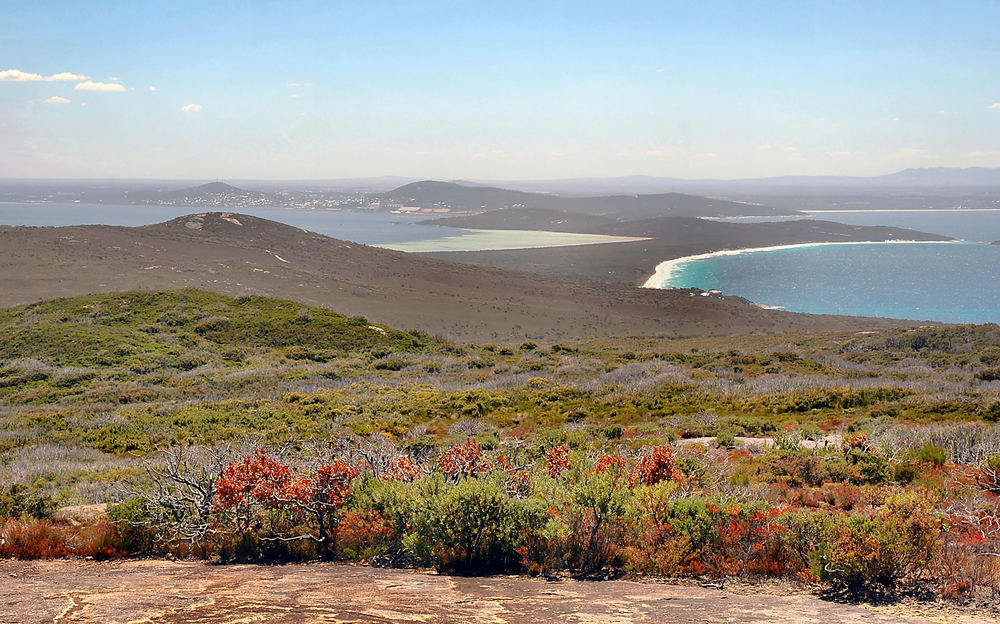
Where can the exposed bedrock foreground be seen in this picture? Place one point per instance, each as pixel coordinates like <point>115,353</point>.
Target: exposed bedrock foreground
<point>173,592</point>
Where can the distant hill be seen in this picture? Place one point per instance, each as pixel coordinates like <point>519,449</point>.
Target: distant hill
<point>237,254</point>
<point>212,188</point>
<point>433,194</point>
<point>943,176</point>
<point>673,237</point>
<point>530,219</point>
<point>936,177</point>
<point>212,191</point>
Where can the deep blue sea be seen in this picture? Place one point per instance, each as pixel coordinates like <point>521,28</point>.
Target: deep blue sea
<point>952,282</point>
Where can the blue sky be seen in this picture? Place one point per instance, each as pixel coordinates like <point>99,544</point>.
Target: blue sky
<point>496,90</point>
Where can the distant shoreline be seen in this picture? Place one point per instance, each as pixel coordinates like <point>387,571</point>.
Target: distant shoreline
<point>666,270</point>
<point>809,214</point>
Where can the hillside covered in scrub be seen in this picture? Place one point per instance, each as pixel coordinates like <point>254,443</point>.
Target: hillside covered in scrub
<point>188,423</point>
<point>477,198</point>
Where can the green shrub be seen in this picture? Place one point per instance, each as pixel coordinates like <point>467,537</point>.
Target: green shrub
<point>726,439</point>
<point>871,556</point>
<point>905,473</point>
<point>472,526</point>
<point>930,454</point>
<point>133,525</point>
<point>988,374</point>
<point>391,363</point>
<point>16,501</point>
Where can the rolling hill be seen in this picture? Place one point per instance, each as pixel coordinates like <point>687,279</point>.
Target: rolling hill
<point>915,178</point>
<point>432,194</point>
<point>238,254</point>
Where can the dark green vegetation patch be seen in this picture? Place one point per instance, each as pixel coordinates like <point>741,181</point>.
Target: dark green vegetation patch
<point>186,328</point>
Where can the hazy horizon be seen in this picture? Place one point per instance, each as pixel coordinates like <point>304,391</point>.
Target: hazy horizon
<point>447,90</point>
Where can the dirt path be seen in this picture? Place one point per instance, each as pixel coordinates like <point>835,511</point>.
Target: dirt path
<point>159,592</point>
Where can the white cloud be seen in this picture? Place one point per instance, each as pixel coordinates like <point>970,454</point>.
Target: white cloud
<point>895,118</point>
<point>294,96</point>
<point>660,70</point>
<point>764,147</point>
<point>908,151</point>
<point>557,154</point>
<point>16,75</point>
<point>838,154</point>
<point>114,78</point>
<point>292,83</point>
<point>64,76</point>
<point>152,88</point>
<point>654,152</point>
<point>99,86</point>
<point>789,149</point>
<point>55,99</point>
<point>704,155</point>
<point>994,105</point>
<point>83,103</point>
<point>191,108</point>
<point>987,153</point>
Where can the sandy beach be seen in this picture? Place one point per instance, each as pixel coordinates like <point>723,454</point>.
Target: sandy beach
<point>668,268</point>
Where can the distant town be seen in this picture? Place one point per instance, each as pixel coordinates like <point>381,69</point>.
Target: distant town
<point>225,196</point>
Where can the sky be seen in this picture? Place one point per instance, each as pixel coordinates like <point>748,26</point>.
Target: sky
<point>477,89</point>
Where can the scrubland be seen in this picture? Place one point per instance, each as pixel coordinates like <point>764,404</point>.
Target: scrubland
<point>252,429</point>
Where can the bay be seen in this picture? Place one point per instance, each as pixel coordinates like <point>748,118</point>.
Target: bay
<point>948,282</point>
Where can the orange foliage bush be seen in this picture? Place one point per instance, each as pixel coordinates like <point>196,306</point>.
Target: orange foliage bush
<point>464,460</point>
<point>557,460</point>
<point>47,539</point>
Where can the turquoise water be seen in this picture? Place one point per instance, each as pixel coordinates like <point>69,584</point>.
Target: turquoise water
<point>954,282</point>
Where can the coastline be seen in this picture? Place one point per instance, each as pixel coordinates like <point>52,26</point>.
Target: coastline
<point>665,270</point>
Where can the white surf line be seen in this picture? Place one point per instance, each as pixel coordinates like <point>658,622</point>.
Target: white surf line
<point>667,269</point>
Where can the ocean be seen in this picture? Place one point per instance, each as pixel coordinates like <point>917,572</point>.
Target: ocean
<point>949,282</point>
